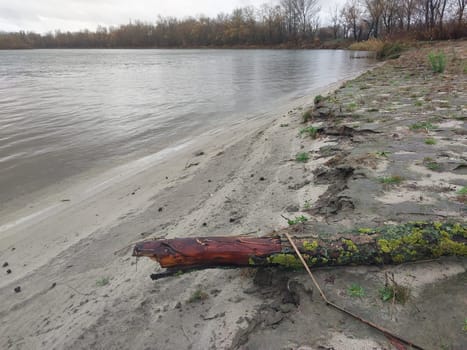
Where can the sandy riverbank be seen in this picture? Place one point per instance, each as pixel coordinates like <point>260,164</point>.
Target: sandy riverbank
<point>77,292</point>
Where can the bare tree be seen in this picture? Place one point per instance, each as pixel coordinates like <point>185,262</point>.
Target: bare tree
<point>409,7</point>
<point>351,13</point>
<point>375,9</point>
<point>290,17</point>
<point>335,21</point>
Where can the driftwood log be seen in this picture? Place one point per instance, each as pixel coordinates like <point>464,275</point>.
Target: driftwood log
<point>376,246</point>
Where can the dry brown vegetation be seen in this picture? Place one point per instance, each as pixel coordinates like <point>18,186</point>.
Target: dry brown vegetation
<point>283,23</point>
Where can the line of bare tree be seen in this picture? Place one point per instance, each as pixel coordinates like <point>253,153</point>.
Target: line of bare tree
<point>287,23</point>
<point>422,19</point>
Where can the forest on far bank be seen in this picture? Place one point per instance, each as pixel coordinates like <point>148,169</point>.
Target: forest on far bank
<point>286,23</point>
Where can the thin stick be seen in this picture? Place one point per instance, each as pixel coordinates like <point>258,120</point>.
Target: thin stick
<point>371,324</point>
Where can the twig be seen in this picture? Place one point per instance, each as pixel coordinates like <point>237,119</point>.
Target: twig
<point>186,335</point>
<point>329,303</point>
<point>77,291</point>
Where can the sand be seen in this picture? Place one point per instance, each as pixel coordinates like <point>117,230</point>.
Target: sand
<point>70,249</point>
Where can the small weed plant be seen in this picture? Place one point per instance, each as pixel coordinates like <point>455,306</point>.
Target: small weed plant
<point>298,220</point>
<point>318,99</point>
<point>302,157</point>
<point>462,195</point>
<point>101,282</point>
<point>356,290</point>
<point>310,130</point>
<point>430,141</point>
<point>307,116</point>
<point>198,295</point>
<point>437,61</point>
<point>351,107</point>
<point>422,126</point>
<point>382,154</point>
<point>393,291</point>
<point>433,166</point>
<point>391,180</point>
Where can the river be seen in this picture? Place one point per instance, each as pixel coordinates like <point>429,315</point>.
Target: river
<point>63,112</point>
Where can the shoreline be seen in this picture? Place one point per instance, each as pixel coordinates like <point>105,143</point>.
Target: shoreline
<point>81,289</point>
<point>46,209</point>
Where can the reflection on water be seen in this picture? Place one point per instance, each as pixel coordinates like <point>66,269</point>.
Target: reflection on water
<point>64,111</point>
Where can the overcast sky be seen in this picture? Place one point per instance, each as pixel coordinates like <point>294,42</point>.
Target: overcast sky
<point>47,15</point>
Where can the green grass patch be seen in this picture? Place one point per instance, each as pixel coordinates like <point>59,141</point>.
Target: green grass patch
<point>418,103</point>
<point>462,191</point>
<point>318,99</point>
<point>437,61</point>
<point>393,291</point>
<point>302,157</point>
<point>433,166</point>
<point>382,154</point>
<point>397,293</point>
<point>391,180</point>
<point>298,220</point>
<point>307,116</point>
<point>311,131</point>
<point>422,126</point>
<point>101,282</point>
<point>351,107</point>
<point>198,295</point>
<point>430,141</point>
<point>356,290</point>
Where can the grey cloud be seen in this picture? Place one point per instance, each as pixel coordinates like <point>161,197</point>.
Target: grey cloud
<point>48,15</point>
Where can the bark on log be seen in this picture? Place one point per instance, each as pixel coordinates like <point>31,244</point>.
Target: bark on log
<point>386,245</point>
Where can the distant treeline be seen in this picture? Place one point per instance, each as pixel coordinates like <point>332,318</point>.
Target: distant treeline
<point>288,23</point>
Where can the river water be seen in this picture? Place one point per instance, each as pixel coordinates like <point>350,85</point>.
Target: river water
<point>63,112</point>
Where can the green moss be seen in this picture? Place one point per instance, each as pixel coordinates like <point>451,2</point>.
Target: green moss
<point>310,246</point>
<point>398,258</point>
<point>448,247</point>
<point>350,245</point>
<point>391,244</point>
<point>251,261</point>
<point>437,237</point>
<point>285,260</point>
<point>385,246</point>
<point>365,230</point>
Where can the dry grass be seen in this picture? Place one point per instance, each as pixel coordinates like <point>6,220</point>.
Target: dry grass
<point>375,45</point>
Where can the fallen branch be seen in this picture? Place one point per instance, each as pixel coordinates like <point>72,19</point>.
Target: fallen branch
<point>386,245</point>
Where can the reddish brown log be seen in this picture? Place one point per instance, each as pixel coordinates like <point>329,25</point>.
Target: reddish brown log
<point>207,251</point>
